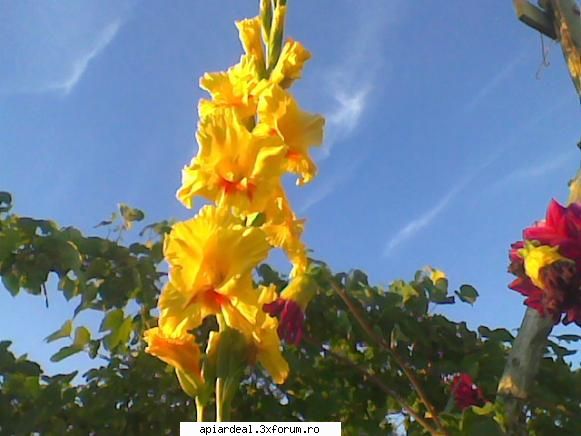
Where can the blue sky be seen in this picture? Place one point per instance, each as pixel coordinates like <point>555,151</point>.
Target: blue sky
<point>444,137</point>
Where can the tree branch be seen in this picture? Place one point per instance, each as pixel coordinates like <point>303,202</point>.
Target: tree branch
<point>386,347</point>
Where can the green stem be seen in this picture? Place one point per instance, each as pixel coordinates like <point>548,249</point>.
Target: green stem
<point>219,400</point>
<point>200,408</point>
<point>223,399</point>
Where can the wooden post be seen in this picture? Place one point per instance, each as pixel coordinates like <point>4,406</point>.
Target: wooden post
<point>521,368</point>
<point>559,20</point>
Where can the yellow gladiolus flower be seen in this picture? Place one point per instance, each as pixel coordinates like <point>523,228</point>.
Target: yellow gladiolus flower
<point>290,64</point>
<point>211,259</point>
<point>234,167</point>
<point>234,89</point>
<point>249,31</point>
<point>536,258</point>
<point>211,249</point>
<point>180,351</point>
<point>279,112</point>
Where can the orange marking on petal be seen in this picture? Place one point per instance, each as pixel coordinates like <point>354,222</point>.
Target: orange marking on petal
<point>210,297</point>
<point>215,297</point>
<point>294,155</point>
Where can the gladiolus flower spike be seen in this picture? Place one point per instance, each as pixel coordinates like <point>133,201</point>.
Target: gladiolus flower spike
<point>251,133</point>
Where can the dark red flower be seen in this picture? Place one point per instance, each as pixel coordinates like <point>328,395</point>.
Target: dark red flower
<point>561,281</point>
<point>292,319</point>
<point>562,227</point>
<point>465,392</point>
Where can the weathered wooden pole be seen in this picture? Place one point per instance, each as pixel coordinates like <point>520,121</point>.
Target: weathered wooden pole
<point>559,20</point>
<point>521,368</point>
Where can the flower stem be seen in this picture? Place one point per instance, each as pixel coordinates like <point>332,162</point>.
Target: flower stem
<point>225,388</point>
<point>200,408</point>
<point>385,346</point>
<point>219,400</point>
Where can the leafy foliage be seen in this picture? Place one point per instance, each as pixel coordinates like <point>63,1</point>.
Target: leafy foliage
<point>345,370</point>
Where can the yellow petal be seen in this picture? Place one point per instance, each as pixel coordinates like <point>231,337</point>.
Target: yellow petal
<point>234,167</point>
<point>179,351</point>
<point>211,249</point>
<point>301,290</point>
<point>278,111</point>
<point>538,257</point>
<point>234,89</point>
<point>268,350</point>
<point>249,31</point>
<point>290,64</point>
<point>177,314</point>
<point>284,230</point>
<point>267,294</point>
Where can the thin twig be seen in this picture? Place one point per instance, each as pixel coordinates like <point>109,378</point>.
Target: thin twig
<point>45,295</point>
<point>385,346</point>
<point>377,382</point>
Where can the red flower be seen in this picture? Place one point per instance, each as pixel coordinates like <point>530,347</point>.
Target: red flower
<point>292,318</point>
<point>465,392</point>
<point>561,290</point>
<point>562,227</point>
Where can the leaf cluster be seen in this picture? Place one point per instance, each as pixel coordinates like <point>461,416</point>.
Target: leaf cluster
<point>344,370</point>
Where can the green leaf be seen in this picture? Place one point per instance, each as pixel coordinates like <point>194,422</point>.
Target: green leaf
<point>119,335</point>
<point>476,423</point>
<point>28,368</point>
<point>65,352</point>
<point>500,335</point>
<point>10,239</point>
<point>468,294</point>
<point>12,283</point>
<point>5,201</point>
<point>60,378</point>
<point>404,289</point>
<point>94,348</point>
<point>487,409</point>
<point>112,320</point>
<point>130,215</point>
<point>82,337</point>
<point>569,338</point>
<point>63,332</point>
<point>438,293</point>
<point>559,351</point>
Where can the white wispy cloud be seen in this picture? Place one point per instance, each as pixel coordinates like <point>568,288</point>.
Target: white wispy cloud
<point>494,82</point>
<point>49,46</point>
<point>80,64</point>
<point>345,116</point>
<point>538,169</point>
<point>413,227</point>
<point>350,82</point>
